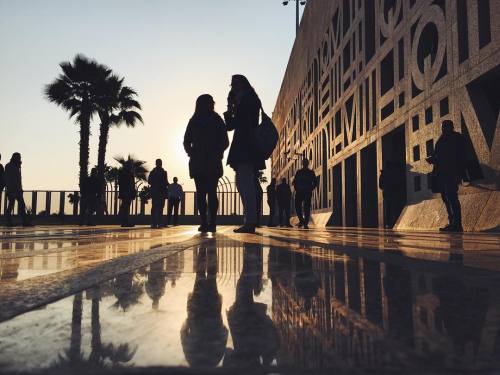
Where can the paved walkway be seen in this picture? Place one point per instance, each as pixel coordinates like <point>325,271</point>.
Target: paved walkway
<point>351,299</point>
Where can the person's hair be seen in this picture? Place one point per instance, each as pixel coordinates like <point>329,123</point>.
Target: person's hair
<point>244,82</point>
<point>447,125</point>
<point>176,179</point>
<point>203,105</point>
<point>283,179</point>
<point>158,161</point>
<point>305,161</point>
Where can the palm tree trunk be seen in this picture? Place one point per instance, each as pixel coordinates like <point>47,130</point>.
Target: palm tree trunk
<point>96,343</point>
<point>101,160</point>
<point>84,149</point>
<point>76,328</point>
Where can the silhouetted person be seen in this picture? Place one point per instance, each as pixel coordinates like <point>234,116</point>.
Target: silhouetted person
<point>2,177</point>
<point>155,285</point>
<point>259,194</point>
<point>271,201</point>
<point>203,334</point>
<point>158,182</point>
<point>175,194</point>
<point>304,183</point>
<point>14,189</point>
<point>449,161</point>
<point>127,193</point>
<point>90,196</point>
<point>391,190</point>
<point>255,338</point>
<point>205,141</point>
<point>284,196</point>
<point>242,116</point>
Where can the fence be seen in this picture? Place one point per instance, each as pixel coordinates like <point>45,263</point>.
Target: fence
<point>57,203</point>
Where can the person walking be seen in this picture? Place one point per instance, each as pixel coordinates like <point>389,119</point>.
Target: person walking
<point>14,189</point>
<point>449,160</point>
<point>90,197</point>
<point>242,116</point>
<point>304,183</point>
<point>391,191</point>
<point>284,195</point>
<point>158,182</point>
<point>175,194</point>
<point>127,193</point>
<point>205,141</point>
<point>271,201</point>
<point>259,195</point>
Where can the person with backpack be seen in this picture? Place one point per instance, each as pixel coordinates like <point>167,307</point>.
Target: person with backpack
<point>205,141</point>
<point>242,116</point>
<point>304,183</point>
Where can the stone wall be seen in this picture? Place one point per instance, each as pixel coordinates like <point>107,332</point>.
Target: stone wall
<point>369,82</point>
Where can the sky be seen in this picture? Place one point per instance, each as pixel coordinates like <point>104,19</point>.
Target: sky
<point>170,51</point>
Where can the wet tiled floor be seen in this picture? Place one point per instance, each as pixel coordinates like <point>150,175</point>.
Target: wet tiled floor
<point>283,300</point>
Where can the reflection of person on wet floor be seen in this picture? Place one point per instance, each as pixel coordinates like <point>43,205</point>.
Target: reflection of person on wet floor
<point>158,182</point>
<point>306,282</point>
<point>157,279</point>
<point>14,189</point>
<point>203,334</point>
<point>284,195</point>
<point>260,196</point>
<point>304,183</point>
<point>271,201</point>
<point>90,195</point>
<point>255,337</point>
<point>391,190</point>
<point>205,141</point>
<point>242,116</point>
<point>449,166</point>
<point>127,193</point>
<point>175,194</point>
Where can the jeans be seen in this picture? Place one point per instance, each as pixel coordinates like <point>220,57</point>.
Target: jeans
<point>245,182</point>
<point>284,214</point>
<point>125,210</point>
<point>12,198</point>
<point>207,186</point>
<point>158,203</point>
<point>303,198</point>
<point>449,195</point>
<point>173,205</point>
<point>272,211</point>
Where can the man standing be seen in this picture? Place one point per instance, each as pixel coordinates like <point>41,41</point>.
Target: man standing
<point>284,195</point>
<point>304,184</point>
<point>14,189</point>
<point>158,182</point>
<point>127,193</point>
<point>175,194</point>
<point>449,161</point>
<point>271,201</point>
<point>2,178</point>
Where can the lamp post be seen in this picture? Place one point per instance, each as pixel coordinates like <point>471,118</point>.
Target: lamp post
<point>297,12</point>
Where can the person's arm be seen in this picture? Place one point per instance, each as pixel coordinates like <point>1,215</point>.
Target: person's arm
<point>315,180</point>
<point>188,139</point>
<point>222,138</point>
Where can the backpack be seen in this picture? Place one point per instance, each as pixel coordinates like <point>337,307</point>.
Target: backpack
<point>265,137</point>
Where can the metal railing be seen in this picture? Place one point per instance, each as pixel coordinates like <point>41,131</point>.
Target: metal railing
<point>57,203</point>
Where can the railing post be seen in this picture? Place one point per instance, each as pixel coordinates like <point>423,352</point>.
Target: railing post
<point>61,203</point>
<point>34,197</point>
<point>48,196</point>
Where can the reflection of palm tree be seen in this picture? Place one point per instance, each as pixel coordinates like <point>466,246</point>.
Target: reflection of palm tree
<point>75,350</point>
<point>254,335</point>
<point>155,285</point>
<point>203,334</point>
<point>127,290</point>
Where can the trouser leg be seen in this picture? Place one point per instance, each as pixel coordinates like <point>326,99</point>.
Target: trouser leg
<point>281,211</point>
<point>10,207</point>
<point>271,214</point>
<point>245,182</point>
<point>307,207</point>
<point>177,201</point>
<point>213,201</point>
<point>299,199</point>
<point>444,197</point>
<point>201,199</point>
<point>287,215</point>
<point>170,207</point>
<point>454,208</point>
<point>154,212</point>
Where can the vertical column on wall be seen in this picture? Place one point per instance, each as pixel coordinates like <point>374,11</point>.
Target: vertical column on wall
<point>344,220</point>
<point>359,187</point>
<point>381,218</point>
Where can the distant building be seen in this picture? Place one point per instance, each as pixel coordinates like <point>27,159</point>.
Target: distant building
<point>368,82</point>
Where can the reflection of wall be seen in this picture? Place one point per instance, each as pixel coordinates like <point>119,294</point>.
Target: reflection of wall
<point>359,69</point>
<point>372,313</point>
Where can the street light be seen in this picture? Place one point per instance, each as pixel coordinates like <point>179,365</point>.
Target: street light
<point>297,11</point>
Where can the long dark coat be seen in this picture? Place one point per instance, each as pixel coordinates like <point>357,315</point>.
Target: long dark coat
<point>205,141</point>
<point>243,121</point>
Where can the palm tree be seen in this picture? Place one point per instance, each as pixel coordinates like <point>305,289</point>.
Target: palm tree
<point>75,91</point>
<point>139,167</point>
<point>117,106</point>
<point>111,176</point>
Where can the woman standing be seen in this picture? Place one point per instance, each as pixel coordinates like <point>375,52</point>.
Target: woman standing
<point>205,141</point>
<point>242,116</point>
